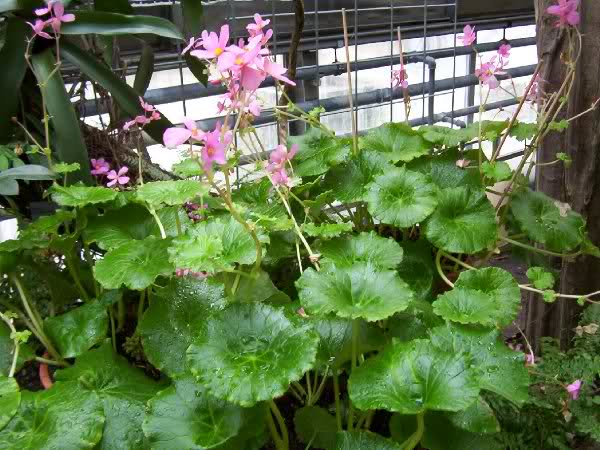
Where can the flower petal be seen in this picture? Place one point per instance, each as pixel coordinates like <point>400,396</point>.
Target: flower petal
<point>174,137</point>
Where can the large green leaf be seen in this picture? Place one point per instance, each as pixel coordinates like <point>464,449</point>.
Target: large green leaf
<point>68,144</point>
<point>12,55</point>
<point>464,221</point>
<point>315,425</point>
<point>175,314</point>
<point>359,291</point>
<point>488,296</point>
<point>546,221</point>
<point>123,390</point>
<point>186,417</point>
<point>59,418</point>
<point>122,93</point>
<point>79,196</point>
<point>10,398</point>
<point>500,369</point>
<point>414,377</point>
<point>78,330</point>
<point>177,192</point>
<point>380,252</point>
<point>317,152</point>
<point>449,137</point>
<point>477,418</point>
<point>417,268</point>
<point>136,264</point>
<point>28,172</point>
<point>115,24</point>
<point>145,69</point>
<point>397,141</point>
<point>442,171</point>
<point>363,440</point>
<point>401,197</point>
<point>254,360</point>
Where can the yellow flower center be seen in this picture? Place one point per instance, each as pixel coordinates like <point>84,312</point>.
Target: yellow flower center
<point>218,51</point>
<point>238,61</point>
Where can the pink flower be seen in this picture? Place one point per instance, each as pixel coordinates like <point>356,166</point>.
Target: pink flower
<point>214,147</point>
<point>38,29</point>
<point>529,359</point>
<point>469,35</point>
<point>237,57</point>
<point>99,167</point>
<point>276,71</point>
<point>574,388</point>
<point>192,45</point>
<point>400,78</point>
<point>214,45</point>
<point>535,91</point>
<point>176,136</point>
<point>254,108</point>
<point>280,177</point>
<point>504,50</point>
<point>256,28</point>
<point>487,73</point>
<point>143,119</point>
<point>281,155</point>
<point>146,106</point>
<point>566,11</point>
<point>118,177</point>
<point>58,16</point>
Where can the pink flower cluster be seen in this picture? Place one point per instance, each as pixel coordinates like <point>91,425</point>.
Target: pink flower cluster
<point>567,13</point>
<point>488,71</point>
<point>57,17</point>
<point>574,389</point>
<point>193,211</point>
<point>101,168</point>
<point>277,164</point>
<point>190,273</point>
<point>400,77</point>
<point>150,114</point>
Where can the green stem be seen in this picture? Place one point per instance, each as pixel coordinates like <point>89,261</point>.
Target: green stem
<point>51,362</point>
<point>141,304</point>
<point>438,266</point>
<point>336,393</point>
<point>279,445</point>
<point>13,366</point>
<point>540,250</point>
<point>120,314</point>
<point>178,223</point>
<point>355,336</point>
<point>300,388</point>
<point>416,437</point>
<point>282,427</point>
<point>308,388</point>
<point>73,272</point>
<point>113,332</point>
<point>161,228</point>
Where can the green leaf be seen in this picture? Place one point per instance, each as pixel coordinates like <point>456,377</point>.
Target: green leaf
<point>380,252</point>
<point>123,390</point>
<point>114,24</point>
<point>119,226</point>
<point>145,69</point>
<point>363,440</point>
<point>10,398</point>
<point>28,172</point>
<point>213,246</point>
<point>79,196</point>
<point>541,278</point>
<point>126,97</point>
<point>59,418</point>
<point>401,197</point>
<point>68,143</point>
<point>500,369</point>
<point>9,186</point>
<point>523,131</point>
<point>157,193</point>
<point>192,12</point>
<point>12,55</point>
<point>444,136</point>
<point>78,330</point>
<point>488,296</point>
<point>442,171</point>
<point>316,426</point>
<point>187,168</point>
<point>417,268</point>
<point>496,171</point>
<point>397,141</point>
<point>197,67</point>
<point>549,296</point>
<point>464,221</point>
<point>185,416</point>
<point>327,230</point>
<point>255,360</point>
<point>256,287</point>
<point>317,152</point>
<point>65,168</point>
<point>414,377</point>
<point>359,291</point>
<point>136,264</point>
<point>348,181</point>
<point>7,348</point>
<point>175,314</point>
<point>547,221</point>
<point>477,418</point>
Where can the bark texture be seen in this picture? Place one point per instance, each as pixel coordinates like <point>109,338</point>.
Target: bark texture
<point>578,185</point>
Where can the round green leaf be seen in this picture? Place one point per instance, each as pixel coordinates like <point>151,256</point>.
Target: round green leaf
<point>317,152</point>
<point>363,440</point>
<point>59,418</point>
<point>398,141</point>
<point>315,425</point>
<point>401,197</point>
<point>414,377</point>
<point>124,391</point>
<point>359,291</point>
<point>10,398</point>
<point>501,370</point>
<point>541,278</point>
<point>254,360</point>
<point>172,193</point>
<point>464,221</point>
<point>78,330</point>
<point>442,171</point>
<point>477,418</point>
<point>79,196</point>
<point>136,264</point>
<point>547,221</point>
<point>185,417</point>
<point>175,313</point>
<point>496,171</point>
<point>380,252</point>
<point>488,296</point>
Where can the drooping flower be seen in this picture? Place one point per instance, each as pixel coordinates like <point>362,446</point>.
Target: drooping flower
<point>469,35</point>
<point>214,45</point>
<point>99,167</point>
<point>118,177</point>
<point>400,78</point>
<point>276,71</point>
<point>176,136</point>
<point>504,51</point>
<point>567,13</point>
<point>574,389</point>
<point>256,28</point>
<point>38,29</point>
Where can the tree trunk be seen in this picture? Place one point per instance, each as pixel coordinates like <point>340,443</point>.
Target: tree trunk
<point>578,185</point>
